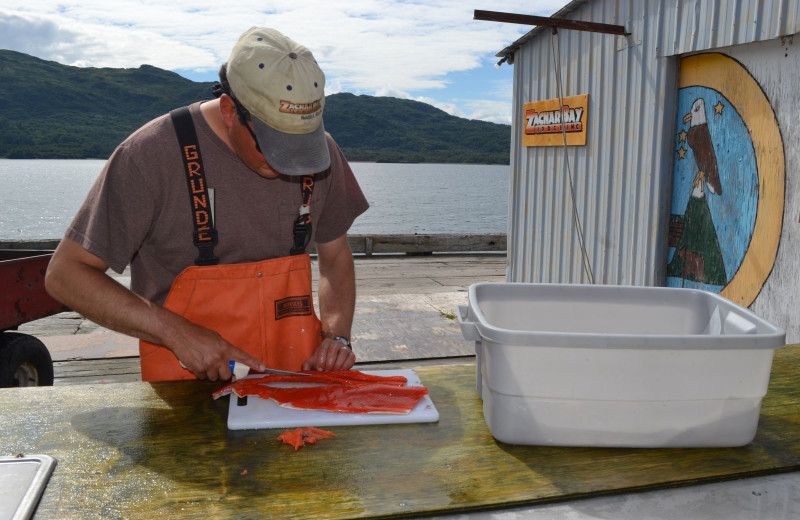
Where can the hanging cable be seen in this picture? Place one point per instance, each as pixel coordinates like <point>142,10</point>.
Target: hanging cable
<point>557,61</point>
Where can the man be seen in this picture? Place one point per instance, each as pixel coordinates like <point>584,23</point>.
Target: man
<point>213,208</point>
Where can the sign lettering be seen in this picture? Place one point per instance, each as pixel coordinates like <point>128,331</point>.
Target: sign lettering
<point>548,124</point>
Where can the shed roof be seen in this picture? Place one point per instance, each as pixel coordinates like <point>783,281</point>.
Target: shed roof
<point>689,25</point>
<point>508,53</point>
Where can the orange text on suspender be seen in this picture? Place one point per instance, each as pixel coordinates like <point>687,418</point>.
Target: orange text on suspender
<point>199,195</point>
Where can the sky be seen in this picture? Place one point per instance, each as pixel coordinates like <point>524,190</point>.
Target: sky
<point>426,50</point>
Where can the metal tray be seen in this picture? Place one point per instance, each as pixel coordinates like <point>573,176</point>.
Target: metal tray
<point>22,482</point>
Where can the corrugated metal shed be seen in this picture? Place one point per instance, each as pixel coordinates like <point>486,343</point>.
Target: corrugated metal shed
<point>622,177</point>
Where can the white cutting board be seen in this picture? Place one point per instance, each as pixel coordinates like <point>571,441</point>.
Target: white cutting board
<point>266,413</point>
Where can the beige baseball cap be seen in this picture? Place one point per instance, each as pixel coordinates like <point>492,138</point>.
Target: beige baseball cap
<point>280,83</point>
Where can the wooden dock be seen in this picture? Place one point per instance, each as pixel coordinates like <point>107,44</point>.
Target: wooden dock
<point>405,312</point>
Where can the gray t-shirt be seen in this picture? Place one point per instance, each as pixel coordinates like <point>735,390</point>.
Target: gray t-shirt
<point>138,212</point>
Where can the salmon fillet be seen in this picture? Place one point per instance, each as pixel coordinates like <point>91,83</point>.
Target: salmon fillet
<point>359,394</point>
<point>339,377</point>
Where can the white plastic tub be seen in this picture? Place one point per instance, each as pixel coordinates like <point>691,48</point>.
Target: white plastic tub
<point>593,365</point>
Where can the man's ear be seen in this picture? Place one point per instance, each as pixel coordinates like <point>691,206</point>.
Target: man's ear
<point>228,110</point>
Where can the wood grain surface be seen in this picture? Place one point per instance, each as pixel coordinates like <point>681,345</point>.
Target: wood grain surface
<point>139,450</point>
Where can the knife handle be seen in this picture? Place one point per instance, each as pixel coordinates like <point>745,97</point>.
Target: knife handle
<point>238,370</point>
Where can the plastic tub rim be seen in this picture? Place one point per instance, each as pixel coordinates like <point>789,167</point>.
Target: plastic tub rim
<point>550,339</point>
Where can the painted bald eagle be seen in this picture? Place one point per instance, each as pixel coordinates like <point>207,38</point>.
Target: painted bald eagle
<point>702,148</point>
<point>697,253</point>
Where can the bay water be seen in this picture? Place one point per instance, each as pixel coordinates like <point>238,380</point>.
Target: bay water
<point>39,197</point>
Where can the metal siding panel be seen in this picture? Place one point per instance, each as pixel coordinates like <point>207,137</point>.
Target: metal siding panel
<point>620,175</point>
<point>702,25</point>
<point>517,211</point>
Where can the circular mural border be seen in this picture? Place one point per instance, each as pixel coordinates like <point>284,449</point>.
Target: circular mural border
<point>728,77</point>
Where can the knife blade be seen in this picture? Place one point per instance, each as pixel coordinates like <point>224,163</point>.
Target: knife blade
<point>284,372</point>
<point>240,370</point>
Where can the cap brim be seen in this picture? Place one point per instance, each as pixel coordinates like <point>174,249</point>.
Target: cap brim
<point>293,154</point>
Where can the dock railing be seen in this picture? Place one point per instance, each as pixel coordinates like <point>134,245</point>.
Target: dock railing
<point>364,244</point>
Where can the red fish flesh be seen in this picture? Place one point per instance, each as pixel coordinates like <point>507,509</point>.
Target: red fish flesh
<point>339,377</point>
<point>374,398</point>
<point>299,437</point>
<point>352,395</point>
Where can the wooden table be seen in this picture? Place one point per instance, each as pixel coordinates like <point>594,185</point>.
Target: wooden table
<point>139,450</point>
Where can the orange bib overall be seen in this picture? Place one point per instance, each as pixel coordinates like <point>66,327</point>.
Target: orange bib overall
<point>265,308</point>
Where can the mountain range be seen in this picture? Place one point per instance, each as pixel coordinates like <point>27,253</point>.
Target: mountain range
<point>49,110</point>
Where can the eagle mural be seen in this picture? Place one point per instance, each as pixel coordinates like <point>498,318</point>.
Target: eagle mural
<point>728,181</point>
<point>698,256</point>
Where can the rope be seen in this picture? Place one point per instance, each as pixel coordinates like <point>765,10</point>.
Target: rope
<point>557,60</point>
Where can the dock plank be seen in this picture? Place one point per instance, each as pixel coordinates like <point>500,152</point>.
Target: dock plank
<point>94,371</point>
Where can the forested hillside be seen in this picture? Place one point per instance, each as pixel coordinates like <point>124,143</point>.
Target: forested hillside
<point>48,110</point>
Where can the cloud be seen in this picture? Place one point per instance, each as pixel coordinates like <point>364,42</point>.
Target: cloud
<point>485,110</point>
<point>32,35</point>
<point>82,44</point>
<point>493,111</point>
<point>364,46</point>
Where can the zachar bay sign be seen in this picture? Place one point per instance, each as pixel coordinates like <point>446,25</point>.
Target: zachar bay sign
<point>551,122</point>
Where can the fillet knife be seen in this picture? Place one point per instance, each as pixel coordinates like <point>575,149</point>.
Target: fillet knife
<point>244,370</point>
<point>240,370</point>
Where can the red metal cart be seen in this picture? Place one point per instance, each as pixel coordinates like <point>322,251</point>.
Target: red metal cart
<point>24,359</point>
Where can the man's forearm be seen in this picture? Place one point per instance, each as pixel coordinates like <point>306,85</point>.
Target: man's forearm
<point>80,282</point>
<point>337,288</point>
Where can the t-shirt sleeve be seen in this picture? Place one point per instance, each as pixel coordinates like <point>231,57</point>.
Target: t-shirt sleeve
<point>344,202</point>
<point>117,214</point>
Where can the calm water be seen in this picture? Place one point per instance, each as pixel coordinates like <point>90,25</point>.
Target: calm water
<point>40,197</point>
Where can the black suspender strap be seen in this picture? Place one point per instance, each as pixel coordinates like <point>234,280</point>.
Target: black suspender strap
<point>205,236</point>
<point>302,225</point>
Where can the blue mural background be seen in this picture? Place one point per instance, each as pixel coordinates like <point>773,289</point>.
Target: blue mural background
<point>734,211</point>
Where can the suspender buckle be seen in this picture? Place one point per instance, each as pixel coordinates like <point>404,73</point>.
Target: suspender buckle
<point>302,224</point>
<point>302,235</point>
<point>205,248</point>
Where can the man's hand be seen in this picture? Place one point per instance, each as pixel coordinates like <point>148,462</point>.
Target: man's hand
<point>207,355</point>
<point>330,355</point>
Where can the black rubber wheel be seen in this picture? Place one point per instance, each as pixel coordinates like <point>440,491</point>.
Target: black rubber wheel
<point>24,361</point>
